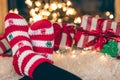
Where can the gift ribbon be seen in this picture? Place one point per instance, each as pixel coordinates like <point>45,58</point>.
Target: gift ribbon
<point>58,34</point>
<point>101,37</point>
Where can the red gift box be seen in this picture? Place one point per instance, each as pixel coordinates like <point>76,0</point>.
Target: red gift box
<point>5,49</point>
<point>88,23</point>
<point>64,35</point>
<point>115,26</point>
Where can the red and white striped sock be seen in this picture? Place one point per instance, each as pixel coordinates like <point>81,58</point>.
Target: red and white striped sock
<point>25,60</point>
<point>42,37</point>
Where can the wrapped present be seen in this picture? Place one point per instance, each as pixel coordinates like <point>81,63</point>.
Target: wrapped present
<point>101,38</point>
<point>5,49</point>
<point>108,24</point>
<point>64,35</point>
<point>88,23</point>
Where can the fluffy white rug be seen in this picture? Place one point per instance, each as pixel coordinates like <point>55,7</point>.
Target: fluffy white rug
<point>89,65</point>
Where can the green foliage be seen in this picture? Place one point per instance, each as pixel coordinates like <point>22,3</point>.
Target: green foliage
<point>110,48</point>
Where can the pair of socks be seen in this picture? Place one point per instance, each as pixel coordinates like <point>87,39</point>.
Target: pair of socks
<point>32,49</point>
<point>25,59</point>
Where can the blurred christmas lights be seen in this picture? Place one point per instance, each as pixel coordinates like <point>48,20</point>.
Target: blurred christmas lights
<point>57,11</point>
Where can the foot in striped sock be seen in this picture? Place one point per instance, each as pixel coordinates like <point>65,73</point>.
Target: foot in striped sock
<point>25,60</point>
<point>42,37</point>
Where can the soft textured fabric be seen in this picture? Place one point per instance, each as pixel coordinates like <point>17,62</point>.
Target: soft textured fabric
<point>25,60</point>
<point>42,37</point>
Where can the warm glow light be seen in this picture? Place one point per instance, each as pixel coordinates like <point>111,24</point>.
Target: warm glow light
<point>54,15</point>
<point>54,19</point>
<point>73,56</point>
<point>31,20</point>
<point>36,18</point>
<point>37,3</point>
<point>63,5</point>
<point>69,3</point>
<point>70,11</point>
<point>88,48</point>
<point>103,57</point>
<point>64,9</point>
<point>67,48</point>
<point>53,6</point>
<point>111,16</point>
<point>43,12</point>
<point>107,13</point>
<point>36,9</point>
<point>46,6</point>
<point>14,11</point>
<point>32,12</point>
<point>53,10</point>
<point>97,16</point>
<point>58,52</point>
<point>28,2</point>
<point>59,5</point>
<point>47,13</point>
<point>83,52</point>
<point>77,20</point>
<point>59,20</point>
<point>73,52</point>
<point>11,11</point>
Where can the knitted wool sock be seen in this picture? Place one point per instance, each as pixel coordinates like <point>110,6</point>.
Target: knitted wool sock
<point>47,71</point>
<point>42,37</point>
<point>25,60</point>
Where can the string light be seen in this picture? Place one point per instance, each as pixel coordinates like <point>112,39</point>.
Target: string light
<point>59,20</point>
<point>37,3</point>
<point>107,13</point>
<point>52,10</point>
<point>77,20</point>
<point>103,57</point>
<point>14,11</point>
<point>46,6</point>
<point>59,5</point>
<point>111,16</point>
<point>69,3</point>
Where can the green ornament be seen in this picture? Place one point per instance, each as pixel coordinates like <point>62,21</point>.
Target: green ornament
<point>110,48</point>
<point>48,44</point>
<point>10,36</point>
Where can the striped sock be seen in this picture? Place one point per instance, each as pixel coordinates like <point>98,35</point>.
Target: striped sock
<point>25,60</point>
<point>42,37</point>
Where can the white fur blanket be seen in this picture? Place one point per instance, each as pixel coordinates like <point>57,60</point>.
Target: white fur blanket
<point>89,65</point>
